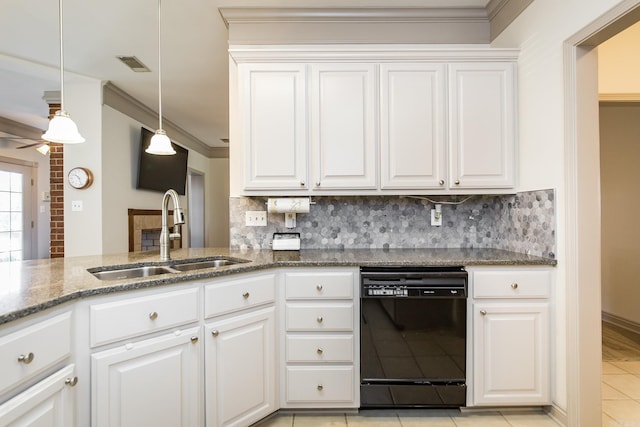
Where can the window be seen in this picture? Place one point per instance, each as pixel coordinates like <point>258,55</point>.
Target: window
<point>11,216</point>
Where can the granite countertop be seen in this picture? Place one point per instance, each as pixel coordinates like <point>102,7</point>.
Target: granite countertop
<point>31,286</point>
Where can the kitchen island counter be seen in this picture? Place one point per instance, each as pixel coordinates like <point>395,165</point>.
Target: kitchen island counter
<point>27,287</point>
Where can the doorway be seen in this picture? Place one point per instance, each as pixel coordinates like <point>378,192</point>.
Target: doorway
<point>583,236</point>
<point>17,225</point>
<point>196,210</point>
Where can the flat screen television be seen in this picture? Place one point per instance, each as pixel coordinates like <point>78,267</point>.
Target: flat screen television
<point>160,173</point>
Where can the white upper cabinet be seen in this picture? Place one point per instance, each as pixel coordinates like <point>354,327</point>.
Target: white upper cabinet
<point>377,120</point>
<point>343,126</point>
<point>412,126</point>
<point>274,125</point>
<point>482,125</point>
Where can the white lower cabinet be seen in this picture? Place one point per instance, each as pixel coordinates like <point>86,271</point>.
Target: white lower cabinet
<point>321,364</point>
<point>240,368</point>
<point>154,382</point>
<point>510,337</point>
<point>50,403</point>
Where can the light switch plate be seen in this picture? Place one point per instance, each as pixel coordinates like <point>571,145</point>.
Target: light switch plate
<point>256,218</point>
<point>76,205</point>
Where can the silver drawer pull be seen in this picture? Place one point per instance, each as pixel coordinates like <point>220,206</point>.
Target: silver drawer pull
<point>319,319</point>
<point>319,351</point>
<point>320,387</point>
<point>71,382</point>
<point>215,333</point>
<point>26,359</point>
<point>319,288</point>
<point>483,312</point>
<point>514,286</point>
<point>457,182</point>
<point>194,339</point>
<point>246,295</point>
<point>153,315</point>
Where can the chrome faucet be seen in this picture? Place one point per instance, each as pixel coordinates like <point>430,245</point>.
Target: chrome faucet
<point>178,218</point>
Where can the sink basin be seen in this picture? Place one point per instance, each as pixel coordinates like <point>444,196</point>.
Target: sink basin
<point>153,270</point>
<point>133,272</point>
<point>210,263</point>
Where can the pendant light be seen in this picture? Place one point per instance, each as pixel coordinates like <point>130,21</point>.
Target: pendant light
<point>61,128</point>
<point>160,143</point>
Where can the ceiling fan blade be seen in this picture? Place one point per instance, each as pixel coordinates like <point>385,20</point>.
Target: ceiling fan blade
<point>30,145</point>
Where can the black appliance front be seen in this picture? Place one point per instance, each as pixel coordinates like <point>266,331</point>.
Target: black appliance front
<point>413,337</point>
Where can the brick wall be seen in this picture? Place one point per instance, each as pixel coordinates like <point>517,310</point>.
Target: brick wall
<point>56,189</point>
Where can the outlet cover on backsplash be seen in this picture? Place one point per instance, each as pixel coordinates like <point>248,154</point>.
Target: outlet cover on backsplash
<point>523,222</point>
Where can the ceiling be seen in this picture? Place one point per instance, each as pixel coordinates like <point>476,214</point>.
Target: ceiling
<point>194,54</point>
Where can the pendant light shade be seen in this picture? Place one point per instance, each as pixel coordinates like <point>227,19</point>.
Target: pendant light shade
<point>61,128</point>
<point>160,143</point>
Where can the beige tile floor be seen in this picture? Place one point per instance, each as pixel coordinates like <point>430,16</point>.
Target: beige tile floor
<point>621,393</point>
<point>413,418</point>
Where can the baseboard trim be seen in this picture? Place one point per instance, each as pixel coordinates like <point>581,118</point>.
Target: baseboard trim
<point>621,322</point>
<point>558,414</point>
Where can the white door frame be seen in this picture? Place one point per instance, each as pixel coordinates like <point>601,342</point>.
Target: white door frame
<point>582,215</point>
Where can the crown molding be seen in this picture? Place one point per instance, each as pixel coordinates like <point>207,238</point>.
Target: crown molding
<point>502,13</point>
<point>234,15</point>
<point>20,129</point>
<point>121,101</point>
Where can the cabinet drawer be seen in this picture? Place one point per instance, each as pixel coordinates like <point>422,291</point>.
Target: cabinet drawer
<point>137,316</point>
<point>323,348</point>
<point>319,317</point>
<point>233,295</point>
<point>320,384</point>
<point>30,351</point>
<point>330,285</point>
<point>511,284</point>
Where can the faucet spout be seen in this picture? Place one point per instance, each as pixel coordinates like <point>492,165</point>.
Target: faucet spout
<point>178,218</point>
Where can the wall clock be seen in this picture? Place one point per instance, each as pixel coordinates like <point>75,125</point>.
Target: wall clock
<point>80,178</point>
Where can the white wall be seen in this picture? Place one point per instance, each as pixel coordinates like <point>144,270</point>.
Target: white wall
<point>83,101</point>
<point>540,32</point>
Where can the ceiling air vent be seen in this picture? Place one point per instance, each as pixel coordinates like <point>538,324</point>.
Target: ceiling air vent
<point>133,63</point>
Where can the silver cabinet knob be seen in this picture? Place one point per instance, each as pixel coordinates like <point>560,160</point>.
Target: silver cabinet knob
<point>441,182</point>
<point>514,286</point>
<point>319,288</point>
<point>194,339</point>
<point>245,295</point>
<point>26,359</point>
<point>301,183</point>
<point>215,333</point>
<point>71,382</point>
<point>153,315</point>
<point>319,351</point>
<point>457,182</point>
<point>319,319</point>
<point>483,312</point>
<point>317,183</point>
<point>320,387</point>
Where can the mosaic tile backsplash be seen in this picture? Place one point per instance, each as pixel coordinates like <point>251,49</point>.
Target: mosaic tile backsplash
<point>524,222</point>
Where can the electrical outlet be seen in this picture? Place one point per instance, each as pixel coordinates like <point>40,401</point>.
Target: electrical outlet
<point>436,216</point>
<point>256,218</point>
<point>76,205</point>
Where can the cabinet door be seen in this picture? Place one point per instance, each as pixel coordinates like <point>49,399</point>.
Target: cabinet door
<point>155,382</point>
<point>482,112</point>
<point>412,126</point>
<point>511,353</point>
<point>240,367</point>
<point>343,127</point>
<point>274,125</point>
<point>50,403</point>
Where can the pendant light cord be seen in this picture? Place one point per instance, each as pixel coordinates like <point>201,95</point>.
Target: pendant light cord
<point>61,61</point>
<point>159,63</point>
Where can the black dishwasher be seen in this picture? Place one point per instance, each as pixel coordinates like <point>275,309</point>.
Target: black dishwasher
<point>413,336</point>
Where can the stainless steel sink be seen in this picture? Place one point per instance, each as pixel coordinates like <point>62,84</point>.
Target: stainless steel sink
<point>153,270</point>
<point>133,272</point>
<point>210,263</point>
